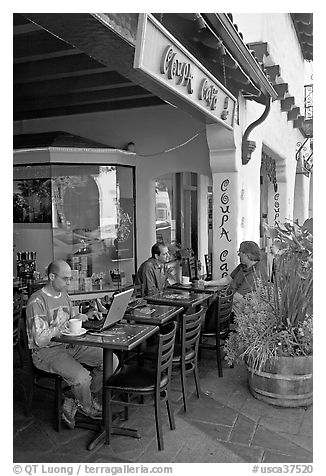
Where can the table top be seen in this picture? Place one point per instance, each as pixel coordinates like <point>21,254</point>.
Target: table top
<point>160,315</point>
<point>119,337</point>
<point>173,297</point>
<point>191,287</point>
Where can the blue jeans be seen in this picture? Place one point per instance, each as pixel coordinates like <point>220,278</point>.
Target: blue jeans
<point>66,360</point>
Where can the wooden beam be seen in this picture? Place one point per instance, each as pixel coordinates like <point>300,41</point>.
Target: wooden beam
<point>293,113</point>
<point>91,81</point>
<point>51,69</point>
<point>297,123</point>
<point>77,99</point>
<point>281,89</point>
<point>260,48</point>
<point>86,109</point>
<point>287,103</point>
<point>272,72</point>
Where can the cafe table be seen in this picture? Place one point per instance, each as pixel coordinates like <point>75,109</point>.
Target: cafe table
<point>119,337</point>
<point>189,300</point>
<point>156,315</point>
<point>194,288</point>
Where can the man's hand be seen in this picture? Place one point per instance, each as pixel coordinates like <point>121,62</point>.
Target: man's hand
<point>93,314</point>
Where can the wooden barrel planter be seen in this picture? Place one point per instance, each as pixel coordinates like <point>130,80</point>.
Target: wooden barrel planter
<point>286,382</point>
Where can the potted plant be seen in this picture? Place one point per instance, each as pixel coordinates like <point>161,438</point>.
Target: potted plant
<point>178,265</point>
<point>273,331</point>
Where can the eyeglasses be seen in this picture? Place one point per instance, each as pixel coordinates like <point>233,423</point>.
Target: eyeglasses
<point>67,279</point>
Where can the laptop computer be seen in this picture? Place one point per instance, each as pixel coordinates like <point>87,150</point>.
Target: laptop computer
<point>115,314</point>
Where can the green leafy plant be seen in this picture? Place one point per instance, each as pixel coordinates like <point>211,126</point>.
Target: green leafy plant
<point>277,318</point>
<point>177,252</point>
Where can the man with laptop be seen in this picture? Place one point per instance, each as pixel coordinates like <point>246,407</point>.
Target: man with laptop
<point>47,313</point>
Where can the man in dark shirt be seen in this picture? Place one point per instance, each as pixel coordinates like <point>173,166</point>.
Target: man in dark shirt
<point>151,276</point>
<point>242,278</point>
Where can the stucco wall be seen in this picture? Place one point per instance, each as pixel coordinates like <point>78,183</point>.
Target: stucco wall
<point>276,134</point>
<point>153,130</point>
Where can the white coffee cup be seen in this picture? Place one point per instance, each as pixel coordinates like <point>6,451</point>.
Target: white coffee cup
<point>185,280</point>
<point>74,325</point>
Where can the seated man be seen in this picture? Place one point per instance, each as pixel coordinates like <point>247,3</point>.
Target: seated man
<point>242,278</point>
<point>152,275</point>
<point>47,312</point>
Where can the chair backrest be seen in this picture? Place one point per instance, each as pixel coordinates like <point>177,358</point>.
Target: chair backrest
<point>192,267</point>
<point>208,264</point>
<point>165,355</point>
<point>17,305</point>
<point>224,307</point>
<point>219,311</point>
<point>191,327</point>
<point>17,317</point>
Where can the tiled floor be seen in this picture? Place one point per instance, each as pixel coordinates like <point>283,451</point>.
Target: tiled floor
<point>226,425</point>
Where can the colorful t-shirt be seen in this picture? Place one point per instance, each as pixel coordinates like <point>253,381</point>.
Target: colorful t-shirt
<point>45,317</point>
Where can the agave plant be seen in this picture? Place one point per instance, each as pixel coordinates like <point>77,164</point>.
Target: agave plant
<point>276,319</point>
<point>293,271</point>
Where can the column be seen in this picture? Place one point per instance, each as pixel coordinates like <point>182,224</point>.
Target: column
<point>301,197</point>
<point>225,164</point>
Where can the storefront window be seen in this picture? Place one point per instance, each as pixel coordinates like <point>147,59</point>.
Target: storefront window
<point>176,209</point>
<point>80,213</point>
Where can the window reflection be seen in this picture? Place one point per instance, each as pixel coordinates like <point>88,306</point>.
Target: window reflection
<point>89,211</point>
<point>176,209</point>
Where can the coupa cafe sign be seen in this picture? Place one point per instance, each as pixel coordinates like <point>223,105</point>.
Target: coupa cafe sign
<point>159,55</point>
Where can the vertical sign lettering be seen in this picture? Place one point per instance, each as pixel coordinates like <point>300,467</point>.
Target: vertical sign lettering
<point>224,230</point>
<point>276,208</point>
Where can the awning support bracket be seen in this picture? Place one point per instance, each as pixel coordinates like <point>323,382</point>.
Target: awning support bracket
<point>248,146</point>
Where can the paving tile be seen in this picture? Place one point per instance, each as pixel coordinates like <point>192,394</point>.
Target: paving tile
<point>307,422</point>
<point>248,454</point>
<point>273,441</point>
<point>173,442</point>
<point>273,457</point>
<point>305,441</point>
<point>237,399</point>
<point>256,409</point>
<point>217,428</point>
<point>207,451</point>
<point>215,432</point>
<point>31,438</point>
<point>208,411</point>
<point>243,430</point>
<point>286,424</point>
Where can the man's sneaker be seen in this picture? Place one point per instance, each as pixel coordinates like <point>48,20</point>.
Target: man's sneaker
<point>97,405</point>
<point>94,412</point>
<point>69,409</point>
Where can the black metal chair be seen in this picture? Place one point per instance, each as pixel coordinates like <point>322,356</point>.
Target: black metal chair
<point>186,353</point>
<point>18,326</point>
<point>208,266</point>
<point>217,324</point>
<point>37,380</point>
<point>192,268</point>
<point>135,381</point>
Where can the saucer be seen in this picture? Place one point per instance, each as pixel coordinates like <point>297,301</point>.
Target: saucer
<point>68,333</point>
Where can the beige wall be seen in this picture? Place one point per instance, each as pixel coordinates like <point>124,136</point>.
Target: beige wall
<point>153,130</point>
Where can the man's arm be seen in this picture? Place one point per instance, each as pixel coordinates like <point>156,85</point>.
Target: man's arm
<point>219,282</point>
<point>39,331</point>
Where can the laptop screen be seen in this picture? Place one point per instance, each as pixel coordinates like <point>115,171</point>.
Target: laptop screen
<point>118,307</point>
